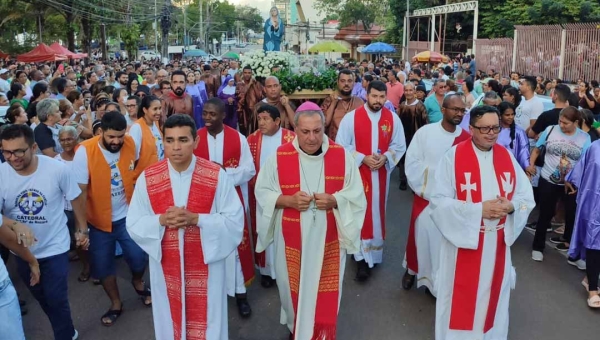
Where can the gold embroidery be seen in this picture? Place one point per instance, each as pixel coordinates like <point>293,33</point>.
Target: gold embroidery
<point>366,186</point>
<point>335,178</point>
<point>330,275</point>
<point>288,137</point>
<point>292,257</point>
<point>289,186</point>
<point>290,219</point>
<point>425,174</point>
<point>286,153</point>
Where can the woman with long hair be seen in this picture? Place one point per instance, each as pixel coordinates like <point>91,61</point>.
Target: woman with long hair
<point>557,139</point>
<point>586,99</point>
<point>467,88</point>
<point>587,124</point>
<point>17,94</point>
<point>512,136</point>
<point>146,134</point>
<point>512,96</point>
<point>132,86</point>
<point>21,77</point>
<point>120,96</point>
<point>40,91</point>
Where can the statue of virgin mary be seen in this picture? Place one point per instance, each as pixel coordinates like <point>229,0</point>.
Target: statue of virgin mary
<point>274,31</point>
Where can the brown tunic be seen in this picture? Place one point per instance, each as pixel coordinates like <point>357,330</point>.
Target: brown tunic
<point>212,85</point>
<point>248,95</point>
<point>172,104</point>
<point>342,106</point>
<point>285,123</point>
<point>413,117</point>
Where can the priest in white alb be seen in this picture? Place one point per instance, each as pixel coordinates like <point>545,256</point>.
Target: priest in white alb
<point>227,147</point>
<point>311,206</point>
<point>375,137</point>
<point>427,147</point>
<point>186,214</point>
<point>263,143</point>
<point>480,202</point>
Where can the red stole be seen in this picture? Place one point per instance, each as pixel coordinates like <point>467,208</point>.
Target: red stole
<point>469,262</point>
<point>288,170</point>
<point>362,137</point>
<point>419,204</point>
<point>255,143</point>
<point>200,200</point>
<point>232,151</point>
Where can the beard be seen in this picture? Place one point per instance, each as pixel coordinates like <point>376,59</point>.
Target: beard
<point>178,91</point>
<point>345,93</point>
<point>112,148</point>
<point>374,107</point>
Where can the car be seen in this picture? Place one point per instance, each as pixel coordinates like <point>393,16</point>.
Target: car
<point>147,55</point>
<point>241,45</point>
<point>229,42</point>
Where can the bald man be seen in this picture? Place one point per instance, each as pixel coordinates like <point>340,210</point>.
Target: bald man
<point>282,103</point>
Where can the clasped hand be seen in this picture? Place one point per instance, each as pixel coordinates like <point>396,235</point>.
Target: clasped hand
<point>497,208</point>
<point>301,201</point>
<point>374,162</point>
<point>178,217</point>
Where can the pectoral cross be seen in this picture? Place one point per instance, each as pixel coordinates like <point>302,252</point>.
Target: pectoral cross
<point>314,211</point>
<point>468,186</point>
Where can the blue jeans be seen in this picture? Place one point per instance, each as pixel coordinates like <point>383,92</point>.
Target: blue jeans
<point>10,312</point>
<point>52,292</point>
<point>102,251</point>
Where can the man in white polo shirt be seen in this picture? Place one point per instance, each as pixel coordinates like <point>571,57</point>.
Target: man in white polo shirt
<point>32,188</point>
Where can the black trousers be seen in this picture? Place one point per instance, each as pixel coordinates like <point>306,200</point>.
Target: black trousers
<point>592,265</point>
<point>549,194</point>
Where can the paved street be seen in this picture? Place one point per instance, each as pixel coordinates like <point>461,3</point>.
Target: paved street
<point>548,303</point>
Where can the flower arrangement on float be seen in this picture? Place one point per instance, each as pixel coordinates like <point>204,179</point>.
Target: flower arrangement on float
<point>263,63</point>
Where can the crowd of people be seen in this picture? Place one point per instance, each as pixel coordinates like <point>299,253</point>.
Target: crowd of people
<point>208,176</point>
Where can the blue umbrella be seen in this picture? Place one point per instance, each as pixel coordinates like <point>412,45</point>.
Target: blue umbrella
<point>378,47</point>
<point>195,53</point>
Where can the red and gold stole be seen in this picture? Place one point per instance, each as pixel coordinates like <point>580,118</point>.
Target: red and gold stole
<point>419,204</point>
<point>288,170</point>
<point>232,151</point>
<point>200,200</point>
<point>255,144</point>
<point>468,261</point>
<point>362,137</point>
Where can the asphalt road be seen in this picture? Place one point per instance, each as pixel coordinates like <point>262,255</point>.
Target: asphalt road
<point>548,303</point>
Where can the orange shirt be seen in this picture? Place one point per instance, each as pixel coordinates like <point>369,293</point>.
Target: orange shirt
<point>395,91</point>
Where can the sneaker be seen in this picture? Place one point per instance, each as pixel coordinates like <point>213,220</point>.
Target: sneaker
<point>557,240</point>
<point>537,256</point>
<point>76,335</point>
<point>580,264</point>
<point>562,247</point>
<point>560,230</point>
<point>556,224</point>
<point>530,226</point>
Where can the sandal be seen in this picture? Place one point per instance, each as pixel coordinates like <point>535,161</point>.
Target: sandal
<point>594,301</point>
<point>112,315</point>
<point>83,277</point>
<point>96,282</point>
<point>559,231</point>
<point>144,294</point>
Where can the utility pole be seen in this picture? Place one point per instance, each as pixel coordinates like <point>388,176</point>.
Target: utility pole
<point>202,42</point>
<point>104,47</point>
<point>155,27</point>
<point>165,26</point>
<point>184,27</point>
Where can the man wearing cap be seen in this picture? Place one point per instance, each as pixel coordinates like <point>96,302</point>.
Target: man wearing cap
<point>311,208</point>
<point>4,84</point>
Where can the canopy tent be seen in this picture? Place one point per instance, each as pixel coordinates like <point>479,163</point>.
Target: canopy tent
<point>3,55</point>
<point>40,53</point>
<point>195,53</point>
<point>327,46</point>
<point>378,48</point>
<point>63,50</point>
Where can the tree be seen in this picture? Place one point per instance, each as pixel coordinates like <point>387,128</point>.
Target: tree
<point>130,35</point>
<point>249,18</point>
<point>356,11</point>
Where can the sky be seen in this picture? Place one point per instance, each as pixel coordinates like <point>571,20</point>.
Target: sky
<point>263,5</point>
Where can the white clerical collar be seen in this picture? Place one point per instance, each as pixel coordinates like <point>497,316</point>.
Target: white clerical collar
<point>324,148</point>
<point>188,171</point>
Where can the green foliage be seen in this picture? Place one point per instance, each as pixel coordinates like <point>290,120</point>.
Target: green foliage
<point>356,11</point>
<point>292,82</point>
<point>130,35</point>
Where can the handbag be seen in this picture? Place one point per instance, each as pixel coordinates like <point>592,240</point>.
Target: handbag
<point>540,160</point>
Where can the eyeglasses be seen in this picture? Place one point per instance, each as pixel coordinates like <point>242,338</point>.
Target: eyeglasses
<point>486,129</point>
<point>456,109</point>
<point>17,153</point>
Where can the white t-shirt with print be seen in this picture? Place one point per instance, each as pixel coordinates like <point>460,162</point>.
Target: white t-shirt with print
<point>3,271</point>
<point>136,133</point>
<point>37,200</point>
<point>118,200</point>
<point>528,110</point>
